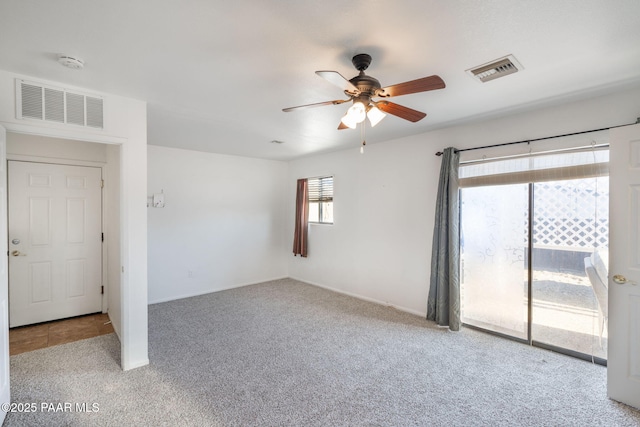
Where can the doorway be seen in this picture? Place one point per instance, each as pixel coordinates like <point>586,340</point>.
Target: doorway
<point>55,241</point>
<point>530,238</point>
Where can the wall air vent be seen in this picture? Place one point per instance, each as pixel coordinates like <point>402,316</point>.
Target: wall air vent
<point>495,69</point>
<point>53,104</point>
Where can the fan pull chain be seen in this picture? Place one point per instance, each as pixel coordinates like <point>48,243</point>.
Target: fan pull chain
<point>362,132</point>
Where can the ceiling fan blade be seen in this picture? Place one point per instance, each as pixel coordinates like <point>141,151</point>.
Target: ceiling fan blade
<point>318,104</point>
<point>400,111</point>
<point>337,79</point>
<point>342,126</point>
<point>414,86</point>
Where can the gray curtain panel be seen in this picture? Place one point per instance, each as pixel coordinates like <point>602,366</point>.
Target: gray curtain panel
<point>443,304</point>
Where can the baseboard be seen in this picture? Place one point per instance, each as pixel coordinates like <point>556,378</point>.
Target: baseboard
<point>138,364</point>
<point>362,297</point>
<point>319,285</point>
<point>116,326</point>
<point>210,291</point>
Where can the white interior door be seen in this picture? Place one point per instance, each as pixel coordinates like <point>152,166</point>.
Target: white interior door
<point>623,370</point>
<point>4,292</point>
<point>55,241</point>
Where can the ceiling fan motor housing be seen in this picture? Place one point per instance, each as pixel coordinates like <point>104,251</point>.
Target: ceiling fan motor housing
<point>365,84</point>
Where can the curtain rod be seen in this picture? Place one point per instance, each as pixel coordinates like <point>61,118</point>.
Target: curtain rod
<point>537,153</point>
<point>439,153</point>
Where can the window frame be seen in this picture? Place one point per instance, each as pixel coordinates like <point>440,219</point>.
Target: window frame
<point>316,184</point>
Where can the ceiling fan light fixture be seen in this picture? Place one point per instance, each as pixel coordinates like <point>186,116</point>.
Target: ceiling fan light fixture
<point>348,121</point>
<point>375,115</point>
<point>355,114</point>
<point>357,111</point>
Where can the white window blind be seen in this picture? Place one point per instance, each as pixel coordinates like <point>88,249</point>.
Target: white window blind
<point>573,164</point>
<point>321,189</point>
<point>320,199</point>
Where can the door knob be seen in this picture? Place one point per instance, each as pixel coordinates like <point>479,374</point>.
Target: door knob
<point>621,280</point>
<point>17,253</point>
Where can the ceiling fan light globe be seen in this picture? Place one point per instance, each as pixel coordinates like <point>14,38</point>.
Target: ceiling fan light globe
<point>357,112</point>
<point>348,121</point>
<point>375,115</point>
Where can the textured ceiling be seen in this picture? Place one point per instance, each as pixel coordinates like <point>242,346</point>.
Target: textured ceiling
<point>216,74</point>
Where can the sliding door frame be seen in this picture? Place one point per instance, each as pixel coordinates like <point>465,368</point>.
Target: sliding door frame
<point>529,340</point>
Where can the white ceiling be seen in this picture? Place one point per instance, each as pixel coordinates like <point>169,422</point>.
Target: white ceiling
<point>216,74</point>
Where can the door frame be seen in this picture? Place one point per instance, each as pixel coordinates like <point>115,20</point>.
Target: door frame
<point>103,211</point>
<point>5,377</point>
<point>623,373</point>
<point>128,132</point>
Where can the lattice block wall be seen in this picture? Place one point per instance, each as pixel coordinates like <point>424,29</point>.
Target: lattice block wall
<point>572,214</point>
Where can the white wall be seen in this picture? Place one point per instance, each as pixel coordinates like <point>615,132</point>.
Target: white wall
<point>55,148</point>
<point>113,236</point>
<point>134,335</point>
<point>223,221</point>
<point>376,247</point>
<point>380,245</point>
<point>125,125</point>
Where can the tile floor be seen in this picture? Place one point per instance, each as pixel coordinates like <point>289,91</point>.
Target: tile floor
<point>33,337</point>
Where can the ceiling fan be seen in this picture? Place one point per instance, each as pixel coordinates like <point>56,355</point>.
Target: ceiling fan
<point>362,89</point>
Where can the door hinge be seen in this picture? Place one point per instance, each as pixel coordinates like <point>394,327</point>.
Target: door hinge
<point>102,236</point>
<point>102,183</point>
<point>102,290</point>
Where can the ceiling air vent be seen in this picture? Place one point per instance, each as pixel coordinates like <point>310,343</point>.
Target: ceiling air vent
<point>495,69</point>
<point>52,104</point>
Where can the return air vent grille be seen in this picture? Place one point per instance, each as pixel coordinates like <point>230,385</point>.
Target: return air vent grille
<point>95,112</point>
<point>40,102</point>
<point>495,69</point>
<point>31,101</point>
<point>75,109</point>
<point>53,105</point>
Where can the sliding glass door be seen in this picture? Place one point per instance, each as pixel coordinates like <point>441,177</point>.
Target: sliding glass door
<point>534,251</point>
<point>493,246</point>
<point>570,225</point>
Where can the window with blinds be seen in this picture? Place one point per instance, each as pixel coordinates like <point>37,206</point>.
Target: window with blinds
<point>321,200</point>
